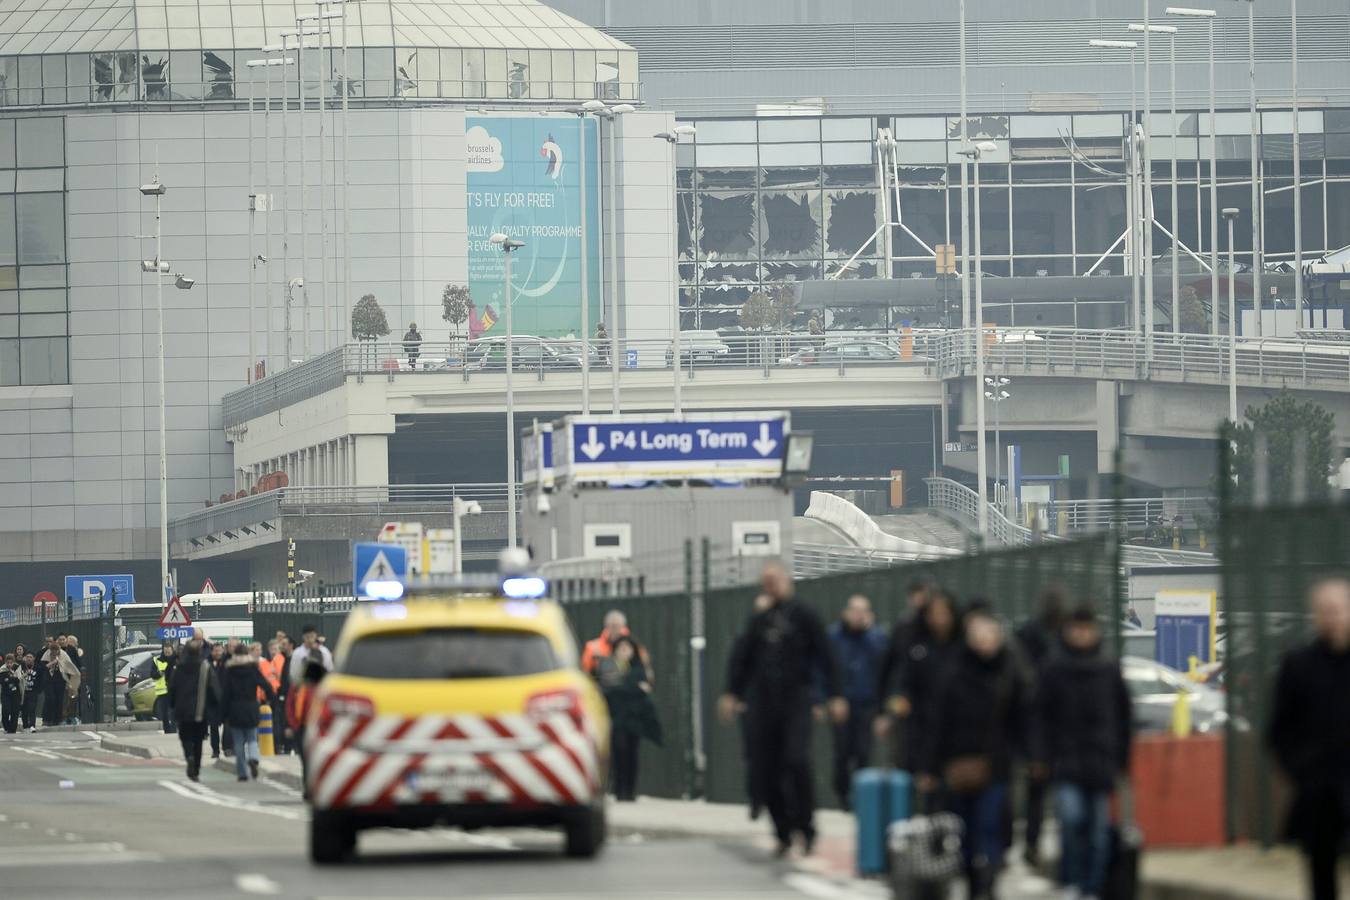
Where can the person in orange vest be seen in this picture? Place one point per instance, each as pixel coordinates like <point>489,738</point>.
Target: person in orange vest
<point>280,652</point>
<point>298,703</point>
<point>265,667</point>
<point>616,626</point>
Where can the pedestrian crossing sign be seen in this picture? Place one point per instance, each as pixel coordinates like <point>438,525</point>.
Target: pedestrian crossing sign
<point>379,570</point>
<point>174,615</point>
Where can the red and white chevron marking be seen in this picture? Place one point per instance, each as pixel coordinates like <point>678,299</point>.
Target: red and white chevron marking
<point>389,761</point>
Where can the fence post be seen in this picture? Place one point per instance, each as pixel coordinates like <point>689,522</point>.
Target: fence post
<point>1227,585</point>
<point>1118,540</point>
<point>698,759</point>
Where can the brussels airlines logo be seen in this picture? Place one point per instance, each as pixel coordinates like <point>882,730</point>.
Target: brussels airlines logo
<point>551,152</point>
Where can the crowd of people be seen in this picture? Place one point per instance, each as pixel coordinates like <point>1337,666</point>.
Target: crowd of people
<point>50,684</point>
<point>966,707</point>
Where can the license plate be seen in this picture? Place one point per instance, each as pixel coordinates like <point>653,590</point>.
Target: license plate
<point>451,781</point>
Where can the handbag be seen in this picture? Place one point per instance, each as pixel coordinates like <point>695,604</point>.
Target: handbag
<point>968,774</point>
<point>926,849</point>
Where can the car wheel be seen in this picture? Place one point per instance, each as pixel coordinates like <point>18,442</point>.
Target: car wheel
<point>332,838</point>
<point>586,831</point>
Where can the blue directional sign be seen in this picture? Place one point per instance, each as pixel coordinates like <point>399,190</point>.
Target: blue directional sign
<point>376,566</point>
<point>733,446</point>
<point>630,359</point>
<point>1186,627</point>
<point>81,587</point>
<point>536,455</point>
<point>175,633</point>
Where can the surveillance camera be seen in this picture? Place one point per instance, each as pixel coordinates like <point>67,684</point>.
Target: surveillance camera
<point>305,574</point>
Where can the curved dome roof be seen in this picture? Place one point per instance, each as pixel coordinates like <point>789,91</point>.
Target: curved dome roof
<point>93,26</point>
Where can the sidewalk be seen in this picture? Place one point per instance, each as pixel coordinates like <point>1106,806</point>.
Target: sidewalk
<point>1242,872</point>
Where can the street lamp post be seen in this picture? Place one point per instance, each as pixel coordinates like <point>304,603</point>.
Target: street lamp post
<point>1147,162</point>
<point>346,305</point>
<point>587,109</point>
<point>671,138</point>
<point>981,453</point>
<point>965,177</point>
<point>252,212</point>
<point>1171,31</point>
<point>160,269</point>
<point>325,69</point>
<point>1208,15</point>
<point>1131,179</point>
<point>1230,213</point>
<point>269,49</point>
<point>508,246</point>
<point>612,114</point>
<point>996,393</point>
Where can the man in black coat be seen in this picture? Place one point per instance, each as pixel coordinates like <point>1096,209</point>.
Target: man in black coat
<point>772,679</point>
<point>242,682</point>
<point>895,713</point>
<point>1084,720</point>
<point>1038,640</point>
<point>194,695</point>
<point>1310,733</point>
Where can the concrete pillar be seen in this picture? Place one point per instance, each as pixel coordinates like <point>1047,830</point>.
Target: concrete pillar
<point>371,459</point>
<point>1108,425</point>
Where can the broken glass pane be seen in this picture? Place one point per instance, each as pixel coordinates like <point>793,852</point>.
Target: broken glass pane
<point>788,271</point>
<point>685,213</point>
<point>851,222</point>
<point>155,74</point>
<point>219,69</point>
<point>722,179</point>
<point>726,226</point>
<point>790,224</point>
<point>850,176</point>
<point>800,177</point>
<point>730,272</point>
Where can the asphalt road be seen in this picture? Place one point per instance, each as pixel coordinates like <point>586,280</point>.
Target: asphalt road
<point>79,821</point>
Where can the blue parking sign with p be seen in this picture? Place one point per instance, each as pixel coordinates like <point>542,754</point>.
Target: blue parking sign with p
<point>121,588</point>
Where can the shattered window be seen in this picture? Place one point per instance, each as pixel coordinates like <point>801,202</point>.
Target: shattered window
<point>155,75</point>
<point>726,179</point>
<point>790,271</point>
<point>219,68</point>
<point>730,272</point>
<point>727,226</point>
<point>850,222</point>
<point>851,176</point>
<point>685,213</point>
<point>924,213</point>
<point>790,224</point>
<point>798,177</point>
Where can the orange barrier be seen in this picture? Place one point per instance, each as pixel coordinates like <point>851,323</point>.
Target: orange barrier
<point>1179,790</point>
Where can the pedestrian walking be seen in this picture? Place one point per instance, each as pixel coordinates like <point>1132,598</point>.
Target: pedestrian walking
<point>240,689</point>
<point>773,676</point>
<point>627,688</point>
<point>194,694</point>
<point>1309,733</point>
<point>980,721</point>
<point>215,713</point>
<point>31,693</point>
<point>412,344</point>
<point>859,646</point>
<point>298,704</point>
<point>932,641</point>
<point>13,687</point>
<point>894,716</point>
<point>1084,722</point>
<point>615,627</point>
<point>280,649</point>
<point>164,664</point>
<point>310,645</point>
<point>1039,639</point>
<point>63,686</point>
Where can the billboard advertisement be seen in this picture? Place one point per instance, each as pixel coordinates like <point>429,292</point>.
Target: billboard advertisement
<point>524,179</point>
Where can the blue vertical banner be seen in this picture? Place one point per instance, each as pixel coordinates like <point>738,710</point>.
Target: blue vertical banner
<point>524,179</point>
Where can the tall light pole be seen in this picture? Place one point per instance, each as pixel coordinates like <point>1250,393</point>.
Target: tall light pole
<point>325,69</point>
<point>1208,15</point>
<point>1171,31</point>
<point>1258,236</point>
<point>671,138</point>
<point>302,32</point>
<point>160,269</point>
<point>252,211</point>
<point>612,114</point>
<point>995,391</point>
<point>286,190</point>
<point>1147,161</point>
<point>508,247</point>
<point>1131,179</point>
<point>1230,213</point>
<point>1298,164</point>
<point>346,305</point>
<point>270,49</point>
<point>589,108</point>
<point>981,452</point>
<point>964,153</point>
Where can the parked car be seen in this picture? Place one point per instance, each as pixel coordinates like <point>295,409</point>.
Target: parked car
<point>848,353</point>
<point>700,347</point>
<point>531,354</point>
<point>134,681</point>
<point>1154,688</point>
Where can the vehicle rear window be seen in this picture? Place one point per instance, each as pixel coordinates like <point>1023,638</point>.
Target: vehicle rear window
<point>451,653</point>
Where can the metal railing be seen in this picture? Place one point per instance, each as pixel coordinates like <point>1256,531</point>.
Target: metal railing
<point>75,609</point>
<point>304,499</point>
<point>964,503</point>
<point>1136,514</point>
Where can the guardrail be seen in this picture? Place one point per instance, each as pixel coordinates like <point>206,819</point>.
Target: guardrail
<point>76,609</point>
<point>1137,514</point>
<point>303,499</point>
<point>956,498</point>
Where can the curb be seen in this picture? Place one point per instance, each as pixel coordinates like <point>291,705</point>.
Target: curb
<point>131,749</point>
<point>105,727</point>
<point>281,776</point>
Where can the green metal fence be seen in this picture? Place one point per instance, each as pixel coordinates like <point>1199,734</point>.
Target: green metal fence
<point>96,636</point>
<point>1010,580</point>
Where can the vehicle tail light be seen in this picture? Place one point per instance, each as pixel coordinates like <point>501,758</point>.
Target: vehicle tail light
<point>567,700</point>
<point>343,706</point>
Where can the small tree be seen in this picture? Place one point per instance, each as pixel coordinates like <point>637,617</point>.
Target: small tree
<point>1294,432</point>
<point>757,312</point>
<point>455,306</point>
<point>782,307</point>
<point>1192,312</point>
<point>368,319</point>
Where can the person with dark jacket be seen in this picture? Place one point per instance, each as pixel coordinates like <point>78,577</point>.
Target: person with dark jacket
<point>894,716</point>
<point>1039,639</point>
<point>980,720</point>
<point>215,715</point>
<point>1084,723</point>
<point>242,682</point>
<point>773,679</point>
<point>31,694</point>
<point>933,640</point>
<point>859,646</point>
<point>194,694</point>
<point>626,684</point>
<point>1309,733</point>
<point>412,345</point>
<point>13,688</point>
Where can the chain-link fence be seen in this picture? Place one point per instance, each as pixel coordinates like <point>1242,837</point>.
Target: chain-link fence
<point>92,627</point>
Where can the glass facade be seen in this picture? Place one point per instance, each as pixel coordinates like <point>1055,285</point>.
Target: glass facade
<point>34,322</point>
<point>456,49</point>
<point>768,201</point>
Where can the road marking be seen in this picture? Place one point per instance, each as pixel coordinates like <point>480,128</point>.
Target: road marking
<point>206,795</point>
<point>813,886</point>
<point>256,883</point>
<point>45,754</point>
<point>93,734</point>
<point>52,754</point>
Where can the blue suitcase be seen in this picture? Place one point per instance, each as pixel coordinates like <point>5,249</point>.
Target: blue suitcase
<point>880,797</point>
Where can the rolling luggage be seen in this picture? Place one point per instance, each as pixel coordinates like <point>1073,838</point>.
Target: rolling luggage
<point>880,797</point>
<point>925,856</point>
